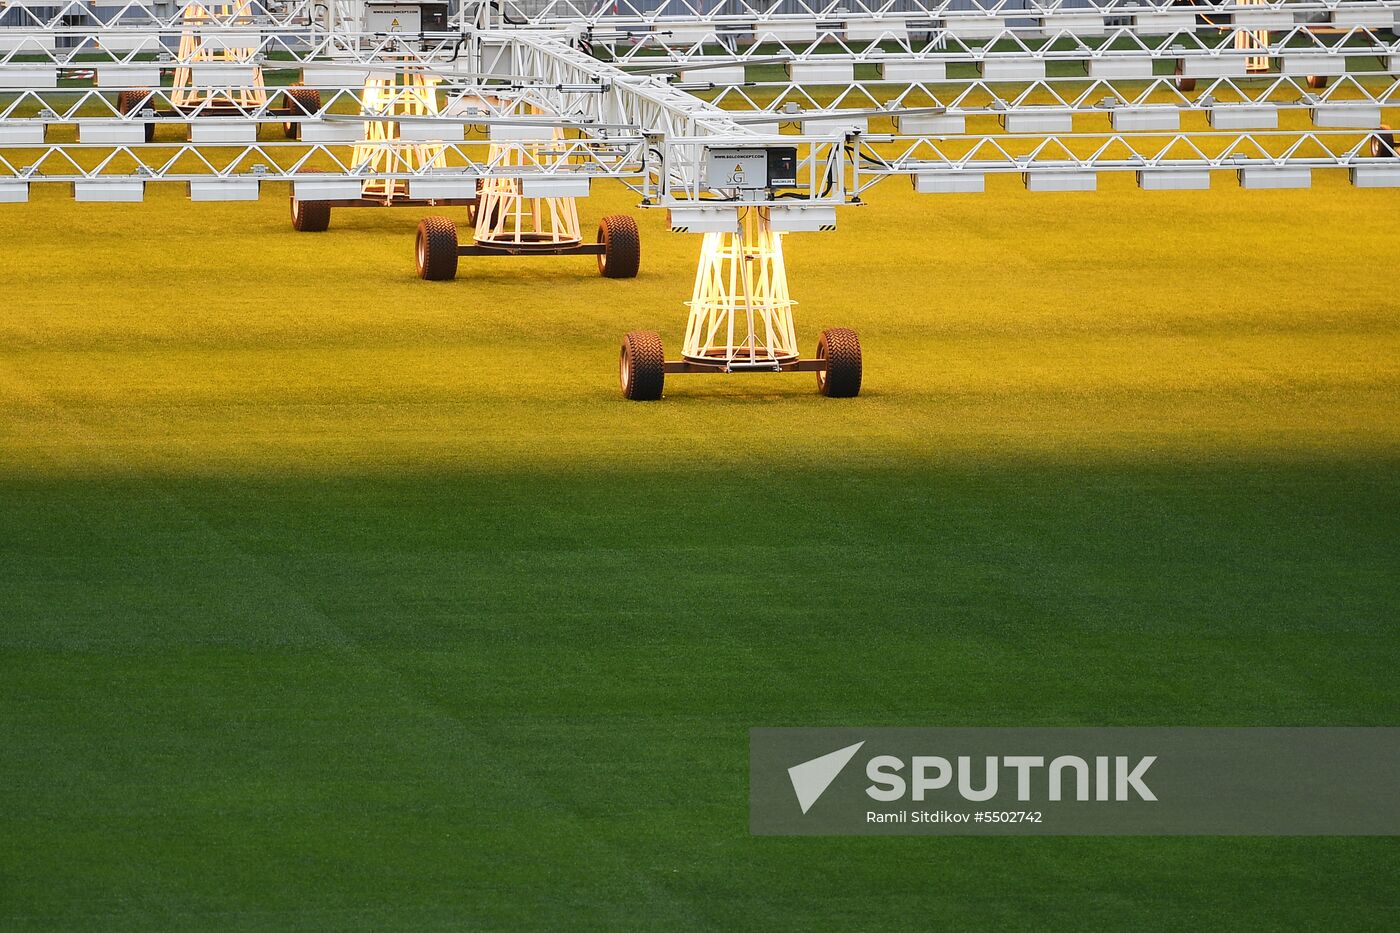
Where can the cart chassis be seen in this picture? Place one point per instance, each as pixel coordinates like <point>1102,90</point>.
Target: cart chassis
<point>402,202</point>
<point>533,249</point>
<point>744,366</point>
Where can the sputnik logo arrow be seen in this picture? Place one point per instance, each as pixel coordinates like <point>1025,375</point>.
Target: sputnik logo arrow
<point>811,778</point>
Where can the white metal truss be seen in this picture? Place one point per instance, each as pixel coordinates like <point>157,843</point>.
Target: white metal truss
<point>75,33</point>
<point>1300,51</point>
<point>635,117</point>
<point>1175,160</point>
<point>619,157</point>
<point>1186,39</point>
<point>753,15</point>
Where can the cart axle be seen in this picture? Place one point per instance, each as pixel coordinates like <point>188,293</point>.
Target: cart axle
<point>534,249</point>
<point>744,366</point>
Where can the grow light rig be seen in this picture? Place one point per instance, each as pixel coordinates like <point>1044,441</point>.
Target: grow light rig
<point>1053,92</point>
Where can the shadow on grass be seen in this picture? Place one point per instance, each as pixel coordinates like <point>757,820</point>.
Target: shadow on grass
<point>386,700</point>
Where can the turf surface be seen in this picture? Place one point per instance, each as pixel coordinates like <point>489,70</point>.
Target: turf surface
<point>332,599</point>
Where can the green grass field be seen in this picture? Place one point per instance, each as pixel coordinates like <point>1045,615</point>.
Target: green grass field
<point>335,600</point>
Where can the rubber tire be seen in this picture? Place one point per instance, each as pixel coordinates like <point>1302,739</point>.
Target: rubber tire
<point>311,216</point>
<point>840,347</point>
<point>301,102</point>
<point>435,250</point>
<point>623,244</point>
<point>1383,144</point>
<point>128,101</point>
<point>641,366</point>
<point>1317,82</point>
<point>1185,85</point>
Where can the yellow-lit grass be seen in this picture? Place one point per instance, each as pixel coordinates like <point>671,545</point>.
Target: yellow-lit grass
<point>199,338</point>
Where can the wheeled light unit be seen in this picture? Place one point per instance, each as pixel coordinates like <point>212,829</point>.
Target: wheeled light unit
<point>238,83</point>
<point>521,215</point>
<point>741,319</point>
<point>390,97</point>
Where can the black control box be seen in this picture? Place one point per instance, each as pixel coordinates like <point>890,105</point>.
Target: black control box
<point>434,17</point>
<point>782,167</point>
